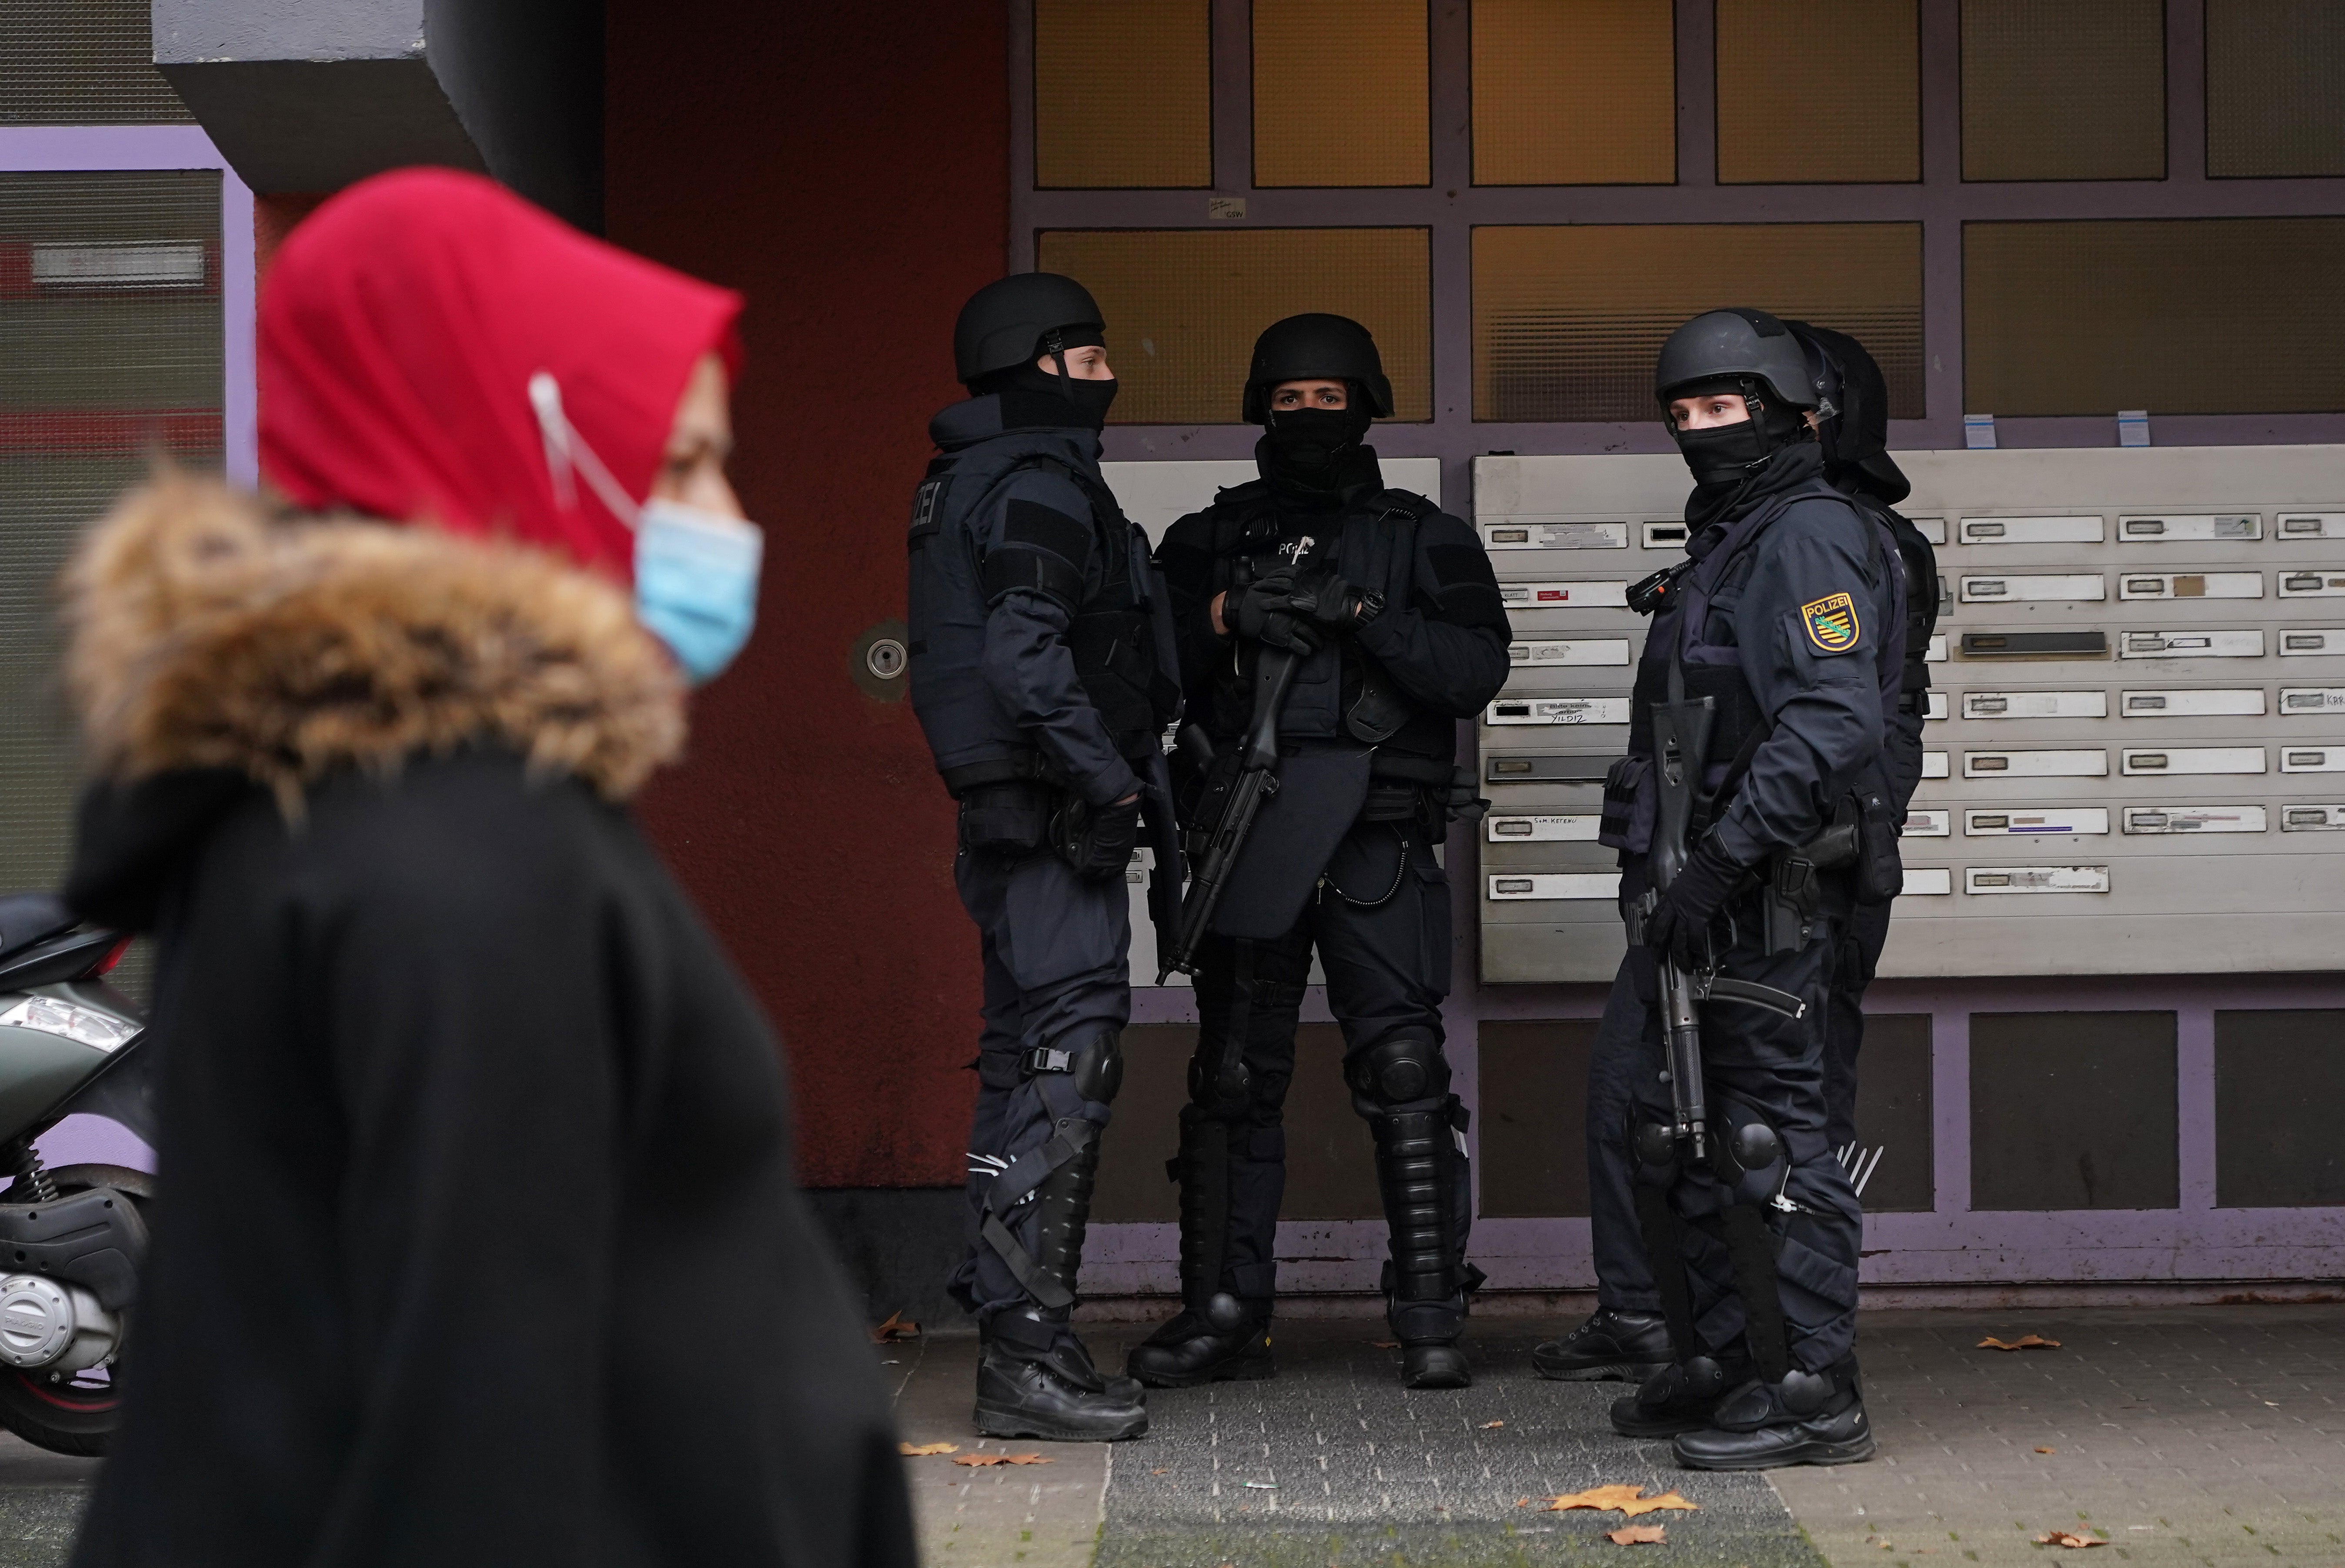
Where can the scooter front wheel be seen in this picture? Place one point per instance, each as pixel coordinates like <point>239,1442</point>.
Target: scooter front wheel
<point>72,1412</point>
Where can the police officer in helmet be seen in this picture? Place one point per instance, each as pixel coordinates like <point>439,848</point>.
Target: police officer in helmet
<point>1392,606</point>
<point>1852,426</point>
<point>1789,617</point>
<point>1042,674</point>
<point>1626,1337</point>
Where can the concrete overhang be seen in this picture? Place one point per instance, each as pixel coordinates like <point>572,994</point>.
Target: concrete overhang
<point>310,94</point>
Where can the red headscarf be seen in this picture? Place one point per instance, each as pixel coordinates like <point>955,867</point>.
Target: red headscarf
<point>400,328</point>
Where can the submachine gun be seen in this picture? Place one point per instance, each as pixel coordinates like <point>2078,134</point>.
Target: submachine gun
<point>1681,748</point>
<point>1256,781</point>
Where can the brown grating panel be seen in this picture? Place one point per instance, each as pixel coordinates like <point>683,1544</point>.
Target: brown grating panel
<point>83,63</point>
<point>1534,1115</point>
<point>1892,1114</point>
<point>2064,89</point>
<point>2073,1110</point>
<point>1124,94</point>
<point>1569,320</point>
<point>1330,1160</point>
<point>1574,92</point>
<point>2280,1077</point>
<point>1341,93</point>
<point>1184,306</point>
<point>2194,316</point>
<point>1778,59</point>
<point>2275,88</point>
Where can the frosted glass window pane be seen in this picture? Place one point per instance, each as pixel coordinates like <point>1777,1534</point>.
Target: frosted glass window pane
<point>1124,94</point>
<point>1340,93</point>
<point>1184,306</point>
<point>2275,87</point>
<point>1568,321</point>
<point>1778,59</point>
<point>2203,316</point>
<point>2064,89</point>
<point>1574,92</point>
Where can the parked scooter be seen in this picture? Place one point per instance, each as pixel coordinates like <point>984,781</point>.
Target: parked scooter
<point>72,1239</point>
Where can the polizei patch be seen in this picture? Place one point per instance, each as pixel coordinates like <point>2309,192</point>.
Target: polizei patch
<point>1830,623</point>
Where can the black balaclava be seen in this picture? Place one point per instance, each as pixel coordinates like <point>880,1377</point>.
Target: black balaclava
<point>1035,399</point>
<point>1726,459</point>
<point>1317,452</point>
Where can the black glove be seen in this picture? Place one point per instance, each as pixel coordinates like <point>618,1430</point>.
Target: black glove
<point>1266,614</point>
<point>1098,839</point>
<point>1332,604</point>
<point>1679,924</point>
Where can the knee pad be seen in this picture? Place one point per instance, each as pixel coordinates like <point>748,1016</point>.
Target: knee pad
<point>1403,1069</point>
<point>1655,1147</point>
<point>1748,1154</point>
<point>1098,1068</point>
<point>1094,1069</point>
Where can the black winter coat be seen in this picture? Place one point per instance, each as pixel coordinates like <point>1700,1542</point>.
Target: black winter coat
<point>478,1240</point>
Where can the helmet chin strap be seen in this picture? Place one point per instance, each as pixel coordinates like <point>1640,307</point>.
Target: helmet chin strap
<point>1057,347</point>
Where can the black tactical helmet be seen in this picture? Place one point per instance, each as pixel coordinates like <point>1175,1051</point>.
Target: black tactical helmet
<point>1853,422</point>
<point>1316,347</point>
<point>1003,322</point>
<point>1722,347</point>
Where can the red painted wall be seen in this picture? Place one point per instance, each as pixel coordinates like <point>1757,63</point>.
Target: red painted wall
<point>846,169</point>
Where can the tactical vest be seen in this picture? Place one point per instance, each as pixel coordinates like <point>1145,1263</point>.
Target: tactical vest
<point>1119,636</point>
<point>1341,694</point>
<point>1714,669</point>
<point>1921,569</point>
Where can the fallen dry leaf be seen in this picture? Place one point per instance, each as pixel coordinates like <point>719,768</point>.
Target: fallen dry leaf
<point>2063,1538</point>
<point>922,1450</point>
<point>1156,1472</point>
<point>1492,1425</point>
<point>2024,1342</point>
<point>1385,1344</point>
<point>1639,1535</point>
<point>895,1327</point>
<point>1002,1459</point>
<point>1522,1503</point>
<point>2047,1451</point>
<point>1628,1500</point>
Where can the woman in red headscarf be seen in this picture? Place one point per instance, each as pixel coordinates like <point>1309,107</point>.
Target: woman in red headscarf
<point>478,1241</point>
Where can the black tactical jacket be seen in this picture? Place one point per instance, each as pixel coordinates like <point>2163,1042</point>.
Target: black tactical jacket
<point>1435,654</point>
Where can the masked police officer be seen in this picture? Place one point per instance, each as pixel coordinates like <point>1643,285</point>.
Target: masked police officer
<point>1392,607</point>
<point>1789,618</point>
<point>1852,426</point>
<point>1041,672</point>
<point>1626,1336</point>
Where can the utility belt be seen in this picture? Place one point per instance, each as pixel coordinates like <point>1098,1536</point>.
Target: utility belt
<point>1402,788</point>
<point>1852,860</point>
<point>1018,804</point>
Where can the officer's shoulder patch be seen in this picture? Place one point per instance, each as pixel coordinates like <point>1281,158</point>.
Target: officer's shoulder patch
<point>1830,623</point>
<point>927,504</point>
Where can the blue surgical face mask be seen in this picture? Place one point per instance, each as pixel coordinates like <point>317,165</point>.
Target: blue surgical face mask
<point>695,570</point>
<point>696,582</point>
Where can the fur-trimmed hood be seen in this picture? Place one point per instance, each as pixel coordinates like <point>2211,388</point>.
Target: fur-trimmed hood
<point>207,633</point>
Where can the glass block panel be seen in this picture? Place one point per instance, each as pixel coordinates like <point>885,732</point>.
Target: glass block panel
<point>1184,306</point>
<point>1124,94</point>
<point>1340,93</point>
<point>111,331</point>
<point>2064,89</point>
<point>1574,92</point>
<point>2275,88</point>
<point>1568,321</point>
<point>83,63</point>
<point>1777,59</point>
<point>2195,315</point>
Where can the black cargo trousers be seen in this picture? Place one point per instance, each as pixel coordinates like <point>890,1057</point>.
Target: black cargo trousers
<point>1757,1063</point>
<point>1055,947</point>
<point>1380,922</point>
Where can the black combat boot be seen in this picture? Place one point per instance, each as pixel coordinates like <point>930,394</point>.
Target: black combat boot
<point>1035,1379</point>
<point>1228,1343</point>
<point>1680,1397</point>
<point>1610,1347</point>
<point>1808,1418</point>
